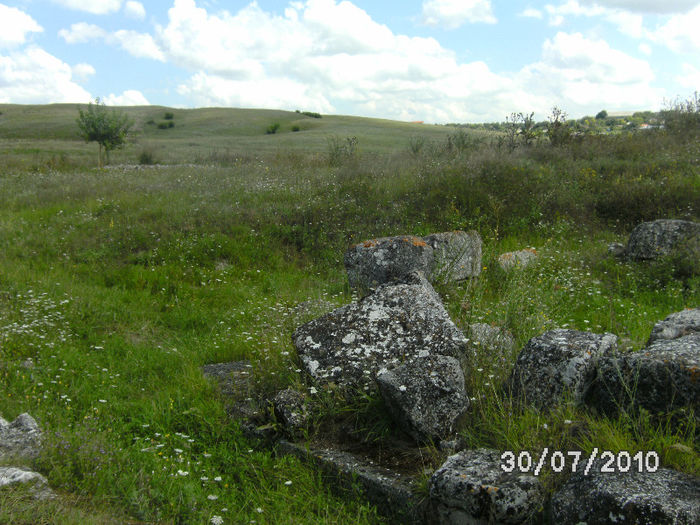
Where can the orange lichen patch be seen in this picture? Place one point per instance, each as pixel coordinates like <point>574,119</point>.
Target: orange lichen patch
<point>369,244</point>
<point>694,373</point>
<point>416,241</point>
<point>531,250</point>
<point>507,256</point>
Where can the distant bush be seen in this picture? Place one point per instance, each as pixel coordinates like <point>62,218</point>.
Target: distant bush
<point>146,157</point>
<point>341,151</point>
<point>296,128</point>
<point>166,125</point>
<point>169,115</point>
<point>682,117</point>
<point>272,128</point>
<point>559,131</point>
<point>311,114</point>
<point>151,122</point>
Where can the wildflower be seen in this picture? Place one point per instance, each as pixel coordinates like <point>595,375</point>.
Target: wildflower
<point>182,473</point>
<point>216,520</point>
<point>212,497</point>
<point>287,482</point>
<point>217,478</point>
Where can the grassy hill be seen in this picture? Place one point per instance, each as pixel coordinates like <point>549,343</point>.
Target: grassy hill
<point>118,284</point>
<point>196,133</point>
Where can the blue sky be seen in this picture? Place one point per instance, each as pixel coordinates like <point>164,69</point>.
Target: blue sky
<point>430,60</point>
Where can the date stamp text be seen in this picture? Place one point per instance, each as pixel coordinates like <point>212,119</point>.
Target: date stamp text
<point>574,460</point>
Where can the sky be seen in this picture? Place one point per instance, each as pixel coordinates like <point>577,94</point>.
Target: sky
<point>435,61</point>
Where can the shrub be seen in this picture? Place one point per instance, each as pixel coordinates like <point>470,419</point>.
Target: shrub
<point>341,151</point>
<point>296,128</point>
<point>559,131</point>
<point>311,114</point>
<point>682,117</point>
<point>151,122</point>
<point>164,125</point>
<point>146,157</point>
<point>272,128</point>
<point>169,115</point>
<point>108,128</point>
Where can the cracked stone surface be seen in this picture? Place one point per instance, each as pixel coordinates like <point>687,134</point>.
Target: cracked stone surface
<point>650,240</point>
<point>398,322</point>
<point>645,498</point>
<point>556,362</point>
<point>471,487</point>
<point>676,325</point>
<point>425,395</point>
<point>22,437</point>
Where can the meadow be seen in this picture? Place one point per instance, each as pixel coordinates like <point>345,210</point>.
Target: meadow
<point>198,243</point>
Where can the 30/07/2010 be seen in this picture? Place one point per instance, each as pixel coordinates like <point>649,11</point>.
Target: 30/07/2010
<point>623,461</point>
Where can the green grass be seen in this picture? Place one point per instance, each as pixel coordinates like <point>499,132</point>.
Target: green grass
<point>121,283</point>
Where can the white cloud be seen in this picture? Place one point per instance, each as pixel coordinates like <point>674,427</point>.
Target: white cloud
<point>14,26</point>
<point>647,6</point>
<point>135,10</point>
<point>645,48</point>
<point>577,74</point>
<point>33,76</point>
<point>680,34</point>
<point>690,78</point>
<point>95,7</point>
<point>130,97</point>
<point>139,45</point>
<point>83,71</point>
<point>628,23</point>
<point>451,14</point>
<point>82,32</point>
<point>531,13</point>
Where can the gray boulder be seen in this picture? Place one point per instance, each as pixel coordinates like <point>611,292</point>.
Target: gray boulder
<point>519,259</point>
<point>650,240</point>
<point>494,339</point>
<point>660,378</point>
<point>644,498</point>
<point>13,476</point>
<point>456,255</point>
<point>617,249</point>
<point>425,395</point>
<point>676,325</point>
<point>556,362</point>
<point>471,487</point>
<point>22,437</point>
<point>350,344</point>
<point>441,256</point>
<point>290,409</point>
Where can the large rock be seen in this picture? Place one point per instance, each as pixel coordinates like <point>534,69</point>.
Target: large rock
<point>556,362</point>
<point>492,339</point>
<point>519,259</point>
<point>456,255</point>
<point>290,410</point>
<point>14,476</point>
<point>472,488</point>
<point>22,437</point>
<point>660,378</point>
<point>676,325</point>
<point>643,498</point>
<point>349,345</point>
<point>441,256</point>
<point>650,240</point>
<point>425,395</point>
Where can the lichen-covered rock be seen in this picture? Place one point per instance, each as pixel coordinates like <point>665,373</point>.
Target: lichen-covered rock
<point>425,395</point>
<point>660,378</point>
<point>441,256</point>
<point>22,437</point>
<point>676,325</point>
<point>556,362</point>
<point>290,409</point>
<point>617,249</point>
<point>457,255</point>
<point>641,498</point>
<point>349,345</point>
<point>13,476</point>
<point>379,261</point>
<point>471,487</point>
<point>519,259</point>
<point>650,240</point>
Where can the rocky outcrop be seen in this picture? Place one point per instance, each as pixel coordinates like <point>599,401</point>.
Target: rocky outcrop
<point>556,362</point>
<point>471,487</point>
<point>441,256</point>
<point>290,410</point>
<point>519,259</point>
<point>659,378</point>
<point>425,395</point>
<point>676,325</point>
<point>38,485</point>
<point>645,498</point>
<point>396,323</point>
<point>654,239</point>
<point>22,437</point>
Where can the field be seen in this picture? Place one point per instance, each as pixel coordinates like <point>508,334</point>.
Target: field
<point>198,243</point>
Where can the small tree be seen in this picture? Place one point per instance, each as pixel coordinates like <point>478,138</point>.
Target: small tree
<point>559,131</point>
<point>108,128</point>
